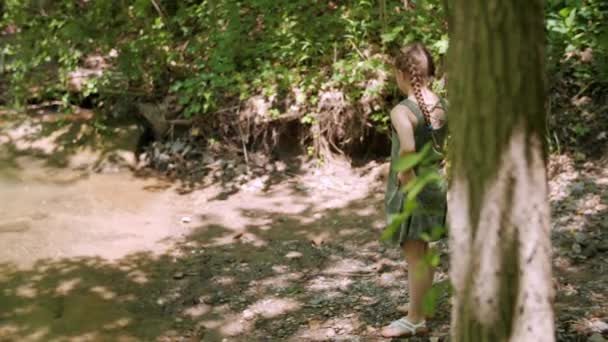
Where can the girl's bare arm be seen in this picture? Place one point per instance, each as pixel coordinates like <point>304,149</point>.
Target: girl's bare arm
<point>400,118</point>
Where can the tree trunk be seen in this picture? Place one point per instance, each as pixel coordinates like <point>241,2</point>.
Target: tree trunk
<point>498,209</point>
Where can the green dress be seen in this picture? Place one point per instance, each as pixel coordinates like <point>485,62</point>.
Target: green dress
<point>430,211</point>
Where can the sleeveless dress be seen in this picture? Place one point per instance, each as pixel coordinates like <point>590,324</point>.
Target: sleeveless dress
<point>430,212</point>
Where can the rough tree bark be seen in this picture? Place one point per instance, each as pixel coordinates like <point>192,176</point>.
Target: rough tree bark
<point>498,209</point>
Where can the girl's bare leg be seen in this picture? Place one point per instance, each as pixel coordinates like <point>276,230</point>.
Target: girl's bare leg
<point>420,277</point>
<point>420,280</point>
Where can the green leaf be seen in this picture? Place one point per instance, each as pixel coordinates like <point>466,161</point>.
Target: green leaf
<point>441,46</point>
<point>431,299</point>
<point>571,18</point>
<point>391,36</point>
<point>396,220</point>
<point>432,258</point>
<point>195,108</point>
<point>407,162</point>
<point>416,186</point>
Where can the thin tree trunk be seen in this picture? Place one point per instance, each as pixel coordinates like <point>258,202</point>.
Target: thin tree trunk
<point>498,209</point>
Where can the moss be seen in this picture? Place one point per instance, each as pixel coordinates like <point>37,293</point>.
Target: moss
<point>496,84</point>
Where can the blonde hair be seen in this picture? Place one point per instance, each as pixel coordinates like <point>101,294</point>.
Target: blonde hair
<point>417,64</point>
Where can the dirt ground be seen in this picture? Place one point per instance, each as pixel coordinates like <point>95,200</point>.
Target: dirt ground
<point>92,251</point>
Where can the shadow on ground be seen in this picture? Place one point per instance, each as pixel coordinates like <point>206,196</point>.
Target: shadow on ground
<point>313,275</point>
<point>316,272</point>
<point>83,141</point>
<point>61,138</point>
<point>579,204</point>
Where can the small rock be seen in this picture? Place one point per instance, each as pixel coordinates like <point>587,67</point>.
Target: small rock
<point>294,255</point>
<point>163,158</point>
<point>179,275</point>
<point>248,315</point>
<point>599,326</point>
<point>387,279</point>
<point>280,166</point>
<point>186,219</point>
<point>576,248</point>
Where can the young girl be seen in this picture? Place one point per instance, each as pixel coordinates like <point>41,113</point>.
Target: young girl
<point>417,121</point>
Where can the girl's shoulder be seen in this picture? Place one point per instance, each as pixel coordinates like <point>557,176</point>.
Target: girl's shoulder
<point>409,109</point>
<point>412,106</point>
<point>414,113</point>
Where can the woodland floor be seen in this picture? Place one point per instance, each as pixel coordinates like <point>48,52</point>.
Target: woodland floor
<point>93,251</point>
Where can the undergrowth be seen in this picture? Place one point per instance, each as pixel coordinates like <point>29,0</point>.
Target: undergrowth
<point>248,71</point>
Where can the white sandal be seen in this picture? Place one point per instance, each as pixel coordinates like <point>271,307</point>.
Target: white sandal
<point>405,309</point>
<point>404,328</point>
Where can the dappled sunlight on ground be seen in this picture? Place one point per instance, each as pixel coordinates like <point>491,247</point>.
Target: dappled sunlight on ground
<point>110,256</point>
<point>579,201</point>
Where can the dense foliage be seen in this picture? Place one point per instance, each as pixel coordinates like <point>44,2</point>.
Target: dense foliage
<point>207,51</point>
<point>213,55</point>
<point>577,55</point>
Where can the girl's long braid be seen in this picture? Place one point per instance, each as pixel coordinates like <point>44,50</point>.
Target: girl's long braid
<point>417,86</point>
<point>416,83</point>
